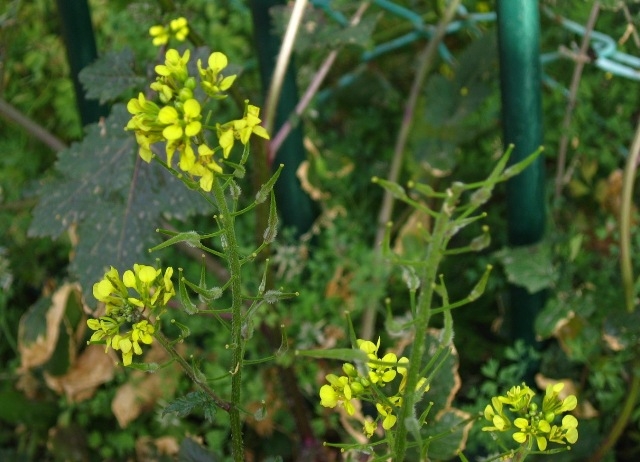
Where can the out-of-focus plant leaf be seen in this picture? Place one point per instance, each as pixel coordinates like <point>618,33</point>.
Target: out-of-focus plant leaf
<point>110,76</point>
<point>318,31</point>
<point>530,267</point>
<point>448,113</point>
<point>191,451</point>
<point>185,405</point>
<point>559,311</point>
<point>616,4</point>
<point>114,198</point>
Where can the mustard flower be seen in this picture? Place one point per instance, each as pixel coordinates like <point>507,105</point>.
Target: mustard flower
<point>124,327</point>
<point>552,405</point>
<point>337,392</point>
<point>241,129</point>
<point>518,397</point>
<point>495,415</point>
<point>174,67</point>
<point>180,126</point>
<point>532,422</point>
<point>128,343</point>
<point>178,28</point>
<point>386,412</point>
<point>144,123</point>
<point>160,35</point>
<point>213,83</point>
<point>154,289</point>
<point>369,426</point>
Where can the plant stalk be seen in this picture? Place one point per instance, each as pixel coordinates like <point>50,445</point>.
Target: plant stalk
<point>626,210</point>
<point>623,419</point>
<point>227,222</point>
<point>421,323</point>
<point>573,97</point>
<point>281,64</point>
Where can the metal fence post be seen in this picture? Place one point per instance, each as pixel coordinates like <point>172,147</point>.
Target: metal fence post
<point>520,81</point>
<point>77,33</point>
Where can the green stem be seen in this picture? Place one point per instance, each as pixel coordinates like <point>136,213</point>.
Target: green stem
<point>227,221</point>
<point>623,419</point>
<point>625,221</point>
<point>421,322</point>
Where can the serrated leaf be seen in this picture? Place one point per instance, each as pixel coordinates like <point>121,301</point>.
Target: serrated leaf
<point>110,76</point>
<point>530,267</point>
<point>115,199</point>
<point>185,405</point>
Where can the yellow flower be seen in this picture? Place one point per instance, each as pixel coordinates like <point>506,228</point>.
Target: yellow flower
<point>213,83</point>
<point>337,392</point>
<point>160,35</point>
<point>240,129</point>
<point>178,28</point>
<point>570,426</point>
<point>386,412</point>
<point>370,426</point>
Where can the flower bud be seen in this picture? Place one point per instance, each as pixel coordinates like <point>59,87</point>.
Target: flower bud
<point>185,94</point>
<point>190,83</point>
<point>357,388</point>
<point>350,370</point>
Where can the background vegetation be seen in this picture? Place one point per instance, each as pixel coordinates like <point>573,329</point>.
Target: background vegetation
<point>54,408</point>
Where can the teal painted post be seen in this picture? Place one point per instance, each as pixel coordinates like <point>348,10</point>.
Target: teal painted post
<point>77,33</point>
<point>296,207</point>
<point>520,81</point>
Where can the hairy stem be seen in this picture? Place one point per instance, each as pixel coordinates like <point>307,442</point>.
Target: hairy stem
<point>421,320</point>
<point>230,248</point>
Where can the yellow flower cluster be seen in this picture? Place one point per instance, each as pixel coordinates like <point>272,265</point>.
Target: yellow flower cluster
<point>356,385</point>
<point>179,122</point>
<point>178,28</point>
<point>128,302</point>
<point>534,422</point>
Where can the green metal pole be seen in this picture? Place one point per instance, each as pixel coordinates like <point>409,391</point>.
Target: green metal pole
<point>520,80</point>
<point>77,33</point>
<point>296,207</point>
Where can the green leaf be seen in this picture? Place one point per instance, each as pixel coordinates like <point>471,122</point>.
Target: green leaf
<point>530,267</point>
<point>448,433</point>
<point>187,404</point>
<point>110,76</point>
<point>115,199</point>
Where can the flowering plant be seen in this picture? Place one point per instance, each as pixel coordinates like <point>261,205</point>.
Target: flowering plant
<point>176,114</point>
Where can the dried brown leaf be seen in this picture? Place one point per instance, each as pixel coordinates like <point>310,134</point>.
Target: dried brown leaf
<point>92,368</point>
